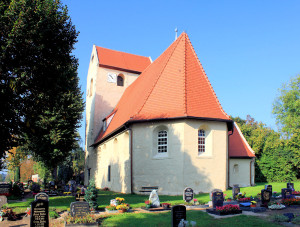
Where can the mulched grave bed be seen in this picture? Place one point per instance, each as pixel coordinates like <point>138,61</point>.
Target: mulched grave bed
<point>212,211</point>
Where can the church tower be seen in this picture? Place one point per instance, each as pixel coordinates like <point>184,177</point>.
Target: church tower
<point>110,73</point>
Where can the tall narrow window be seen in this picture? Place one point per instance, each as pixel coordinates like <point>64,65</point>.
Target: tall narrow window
<point>89,174</point>
<point>91,87</point>
<point>162,142</point>
<point>201,141</point>
<point>120,80</point>
<point>108,174</point>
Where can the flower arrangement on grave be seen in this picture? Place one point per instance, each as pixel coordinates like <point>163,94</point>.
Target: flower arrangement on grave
<point>148,203</point>
<point>228,209</point>
<point>276,206</point>
<point>195,202</point>
<point>123,206</point>
<point>105,189</point>
<point>229,199</point>
<point>296,192</point>
<point>289,202</point>
<point>245,199</point>
<point>120,200</point>
<point>240,195</point>
<point>67,193</point>
<point>89,218</point>
<point>111,207</point>
<point>166,205</point>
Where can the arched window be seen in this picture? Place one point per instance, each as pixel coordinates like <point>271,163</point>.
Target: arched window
<point>236,168</point>
<point>201,141</point>
<point>162,141</point>
<point>120,80</point>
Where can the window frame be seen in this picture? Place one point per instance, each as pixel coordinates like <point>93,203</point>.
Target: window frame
<point>201,141</point>
<point>163,139</point>
<point>122,77</point>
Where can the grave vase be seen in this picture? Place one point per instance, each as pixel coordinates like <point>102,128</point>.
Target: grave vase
<point>122,211</point>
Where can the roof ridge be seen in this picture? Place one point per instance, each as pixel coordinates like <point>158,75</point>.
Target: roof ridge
<point>185,78</point>
<point>206,78</point>
<point>158,77</point>
<point>122,52</point>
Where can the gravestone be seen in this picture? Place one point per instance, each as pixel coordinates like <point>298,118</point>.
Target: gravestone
<point>80,197</point>
<point>39,213</point>
<point>154,199</point>
<point>290,185</point>
<point>265,197</point>
<point>178,213</point>
<point>79,209</point>
<point>3,200</point>
<point>269,188</point>
<point>235,190</point>
<point>212,191</point>
<point>286,193</point>
<point>41,196</point>
<point>188,194</point>
<point>5,188</point>
<point>217,199</point>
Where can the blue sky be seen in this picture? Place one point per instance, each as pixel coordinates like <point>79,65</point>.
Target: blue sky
<point>247,48</point>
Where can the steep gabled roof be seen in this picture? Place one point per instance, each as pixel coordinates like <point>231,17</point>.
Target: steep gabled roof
<point>121,60</point>
<point>173,86</point>
<point>238,145</point>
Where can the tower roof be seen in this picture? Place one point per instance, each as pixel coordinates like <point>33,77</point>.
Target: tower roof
<point>121,60</point>
<point>173,86</point>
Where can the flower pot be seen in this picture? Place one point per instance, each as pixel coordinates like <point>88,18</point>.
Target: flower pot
<point>122,211</point>
<point>253,205</point>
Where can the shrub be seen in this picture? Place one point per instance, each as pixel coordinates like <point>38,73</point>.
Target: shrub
<point>280,218</point>
<point>53,214</point>
<point>296,220</point>
<point>91,195</point>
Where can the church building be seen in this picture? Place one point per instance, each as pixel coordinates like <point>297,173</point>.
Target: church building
<point>160,124</point>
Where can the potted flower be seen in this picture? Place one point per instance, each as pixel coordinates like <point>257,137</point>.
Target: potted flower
<point>196,202</point>
<point>122,208</point>
<point>166,205</point>
<point>148,204</point>
<point>229,199</point>
<point>120,200</point>
<point>253,204</point>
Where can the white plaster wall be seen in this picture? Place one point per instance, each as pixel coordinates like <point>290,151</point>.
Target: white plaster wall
<point>241,174</point>
<point>114,152</point>
<point>182,167</point>
<point>101,99</point>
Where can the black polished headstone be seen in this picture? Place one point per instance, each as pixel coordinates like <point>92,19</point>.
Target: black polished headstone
<point>235,190</point>
<point>269,188</point>
<point>188,194</point>
<point>178,213</point>
<point>39,213</point>
<point>79,209</point>
<point>41,196</point>
<point>265,197</point>
<point>286,193</point>
<point>80,197</point>
<point>217,199</point>
<point>290,185</point>
<point>5,188</point>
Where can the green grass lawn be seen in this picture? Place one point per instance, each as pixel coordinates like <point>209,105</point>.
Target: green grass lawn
<point>62,203</point>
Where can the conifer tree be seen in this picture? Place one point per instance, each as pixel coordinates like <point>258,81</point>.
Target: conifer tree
<point>91,195</point>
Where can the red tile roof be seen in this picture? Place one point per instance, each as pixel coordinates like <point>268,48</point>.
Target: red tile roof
<point>238,146</point>
<point>121,60</point>
<point>173,86</point>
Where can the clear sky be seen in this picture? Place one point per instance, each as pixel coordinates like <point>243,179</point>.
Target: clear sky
<point>247,48</point>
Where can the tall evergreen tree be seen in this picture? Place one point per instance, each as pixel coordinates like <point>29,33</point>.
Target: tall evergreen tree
<point>42,102</point>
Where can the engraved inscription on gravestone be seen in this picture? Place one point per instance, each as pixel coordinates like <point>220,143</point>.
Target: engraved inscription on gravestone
<point>3,200</point>
<point>286,193</point>
<point>290,185</point>
<point>235,190</point>
<point>41,196</point>
<point>269,188</point>
<point>5,188</point>
<point>178,213</point>
<point>217,199</point>
<point>79,209</point>
<point>188,194</point>
<point>39,213</point>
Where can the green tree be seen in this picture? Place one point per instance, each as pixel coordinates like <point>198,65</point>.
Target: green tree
<point>42,102</point>
<point>286,108</point>
<point>91,194</point>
